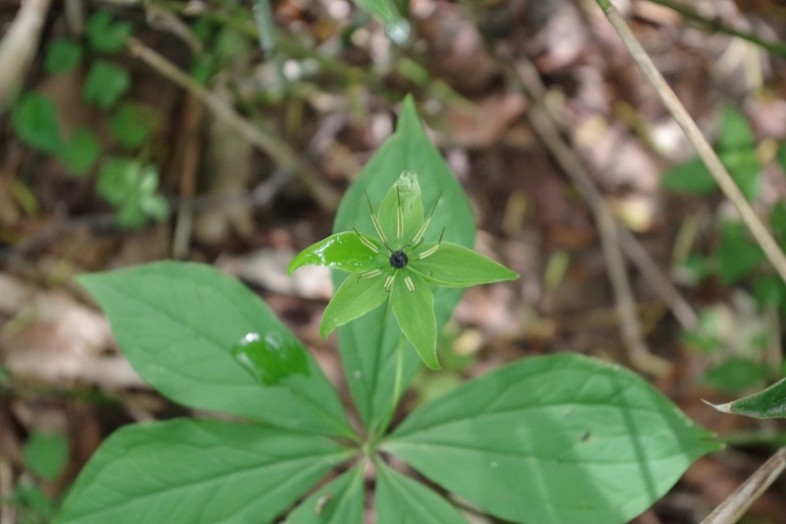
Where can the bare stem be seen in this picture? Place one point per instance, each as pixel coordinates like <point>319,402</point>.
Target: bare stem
<point>256,133</point>
<point>703,148</point>
<point>738,502</point>
<point>777,48</point>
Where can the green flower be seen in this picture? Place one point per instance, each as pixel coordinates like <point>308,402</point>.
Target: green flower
<point>399,266</point>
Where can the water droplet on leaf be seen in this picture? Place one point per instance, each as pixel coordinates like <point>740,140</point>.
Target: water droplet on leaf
<point>398,30</point>
<point>272,358</point>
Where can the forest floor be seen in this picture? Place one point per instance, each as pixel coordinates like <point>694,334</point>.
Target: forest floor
<point>322,102</point>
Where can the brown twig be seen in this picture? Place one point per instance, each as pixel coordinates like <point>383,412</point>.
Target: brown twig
<point>256,133</point>
<point>738,502</point>
<point>692,131</point>
<point>18,48</point>
<point>522,73</point>
<point>525,75</point>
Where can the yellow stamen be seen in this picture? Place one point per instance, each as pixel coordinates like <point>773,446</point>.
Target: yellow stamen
<point>430,251</point>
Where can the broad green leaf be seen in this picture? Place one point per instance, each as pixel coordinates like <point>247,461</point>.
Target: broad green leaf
<point>553,439</point>
<point>62,56</point>
<point>345,251</point>
<point>106,35</point>
<point>339,502</point>
<point>402,500</point>
<point>745,168</point>
<point>452,265</point>
<point>778,222</point>
<point>132,123</point>
<point>33,504</point>
<point>768,403</point>
<point>154,206</point>
<point>781,156</point>
<point>131,187</point>
<point>368,345</point>
<point>736,374</point>
<point>80,152</point>
<point>737,255</point>
<point>197,471</point>
<point>105,84</point>
<point>414,310</point>
<point>355,297</point>
<point>770,290</point>
<point>117,179</point>
<point>691,177</point>
<point>177,323</point>
<point>46,454</point>
<point>734,132</point>
<point>35,122</point>
<point>707,335</point>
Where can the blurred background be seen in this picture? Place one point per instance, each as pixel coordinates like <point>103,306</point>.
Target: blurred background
<point>225,132</point>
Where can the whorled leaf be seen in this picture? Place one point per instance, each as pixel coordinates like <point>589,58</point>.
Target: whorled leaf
<point>178,324</point>
<point>340,501</point>
<point>355,297</point>
<point>412,302</point>
<point>198,471</point>
<point>402,500</point>
<point>553,439</point>
<point>345,251</point>
<point>453,265</point>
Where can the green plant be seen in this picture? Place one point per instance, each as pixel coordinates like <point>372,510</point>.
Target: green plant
<point>45,456</point>
<point>399,267</point>
<point>733,336</point>
<point>131,124</point>
<point>559,438</point>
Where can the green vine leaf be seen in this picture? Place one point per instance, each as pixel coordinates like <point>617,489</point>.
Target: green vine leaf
<point>398,266</point>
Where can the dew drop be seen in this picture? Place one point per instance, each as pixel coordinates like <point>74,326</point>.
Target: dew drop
<point>271,358</point>
<point>398,30</point>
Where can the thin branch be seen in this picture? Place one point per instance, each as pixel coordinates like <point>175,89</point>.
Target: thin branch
<point>261,196</point>
<point>717,26</point>
<point>18,48</point>
<point>256,133</point>
<point>703,148</point>
<point>526,76</point>
<point>738,502</point>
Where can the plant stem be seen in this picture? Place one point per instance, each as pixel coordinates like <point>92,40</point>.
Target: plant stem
<point>718,26</point>
<point>703,148</point>
<point>380,431</point>
<point>256,133</point>
<point>738,502</point>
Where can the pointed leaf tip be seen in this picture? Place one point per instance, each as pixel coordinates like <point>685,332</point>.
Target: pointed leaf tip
<point>345,251</point>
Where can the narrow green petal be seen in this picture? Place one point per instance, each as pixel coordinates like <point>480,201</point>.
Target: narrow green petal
<point>347,251</point>
<point>412,301</point>
<point>357,295</point>
<point>400,214</point>
<point>447,264</point>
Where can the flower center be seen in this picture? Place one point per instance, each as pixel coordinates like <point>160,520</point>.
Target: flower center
<point>398,259</point>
